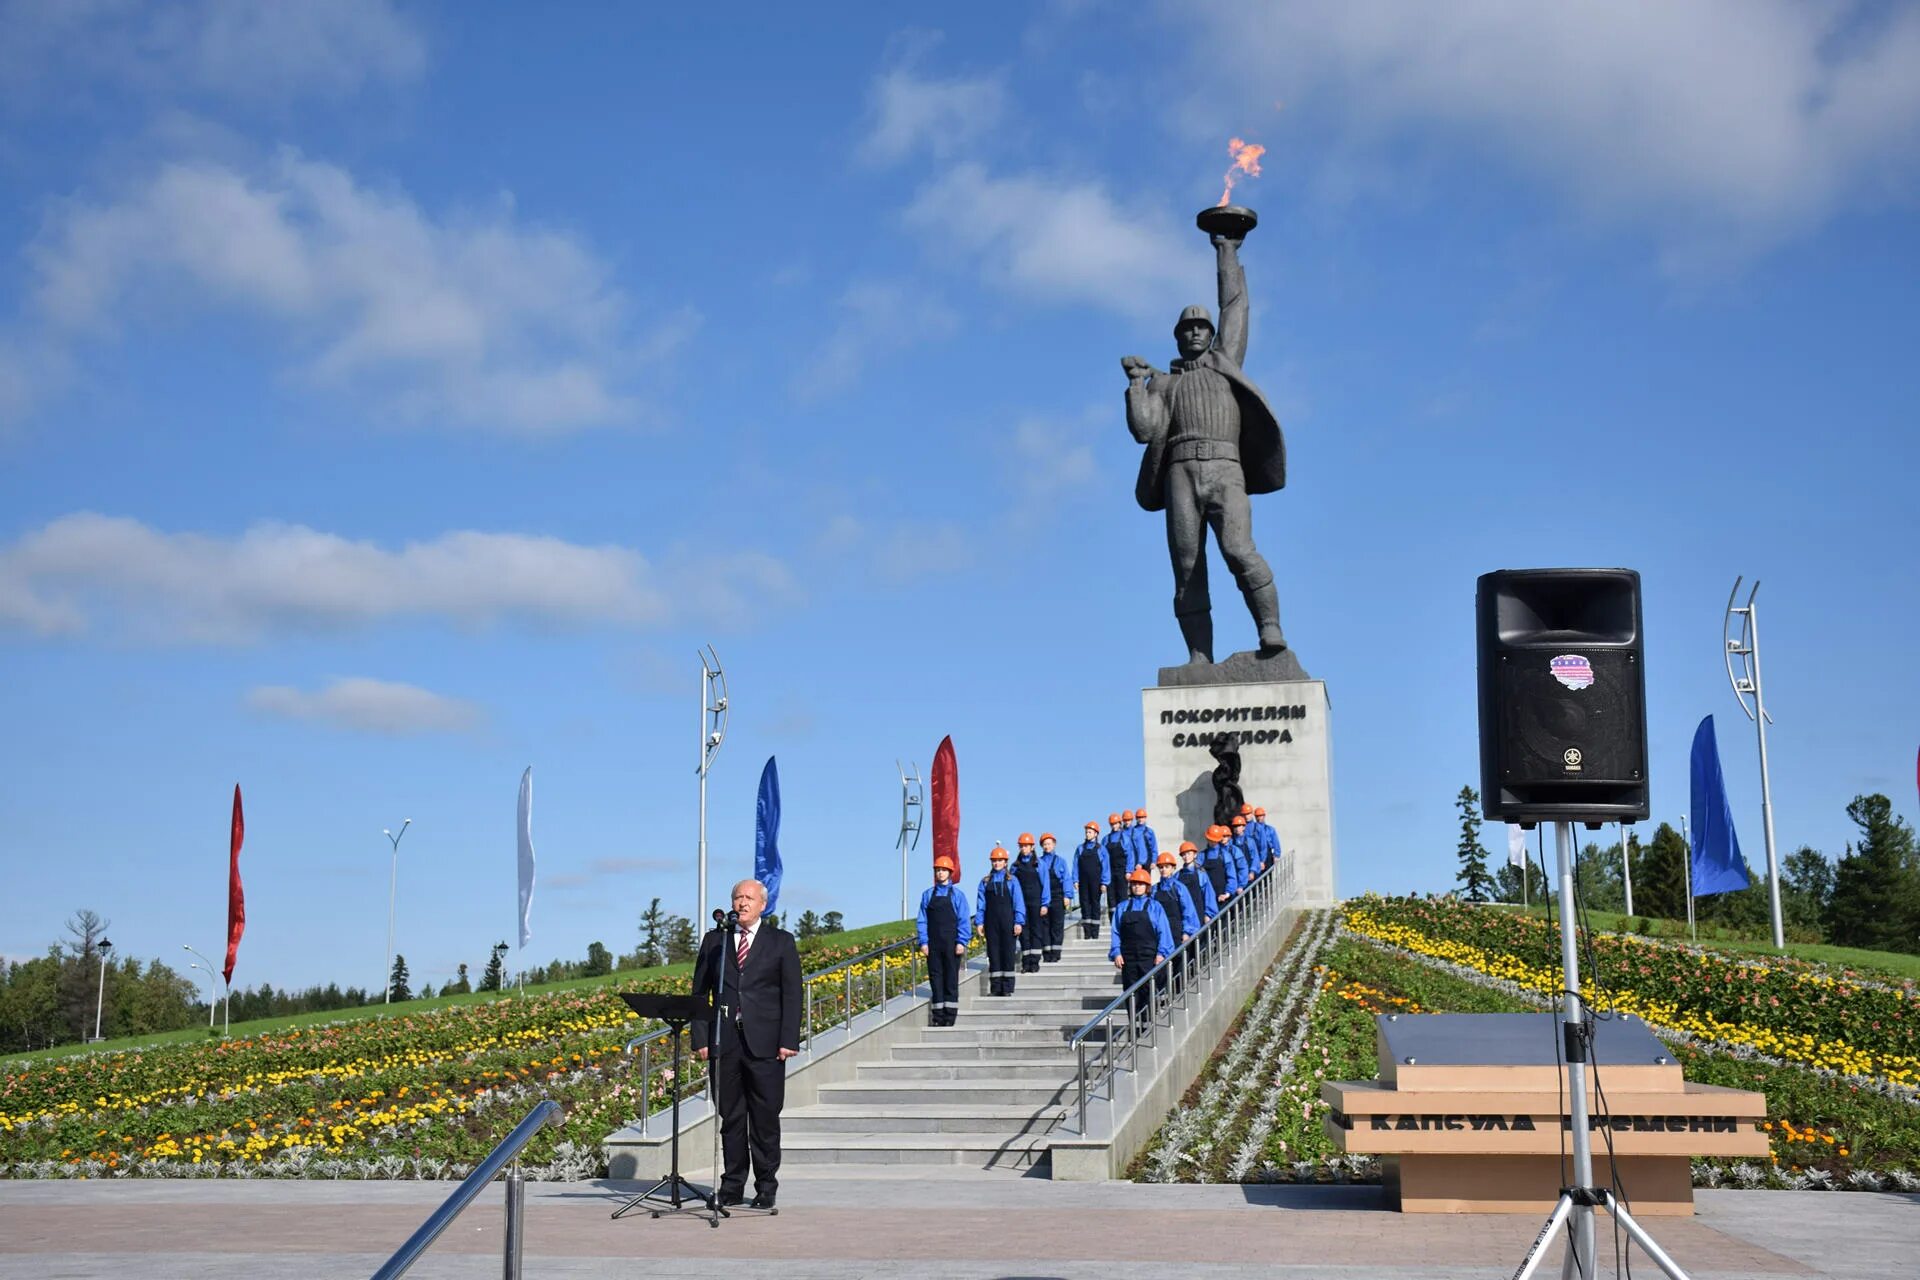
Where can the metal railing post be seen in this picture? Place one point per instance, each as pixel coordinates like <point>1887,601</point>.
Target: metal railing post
<point>646,1083</point>
<point>883,982</point>
<point>1080,1052</point>
<point>849,987</point>
<point>809,988</point>
<point>516,1210</point>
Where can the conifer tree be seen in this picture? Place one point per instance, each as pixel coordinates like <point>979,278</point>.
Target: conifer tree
<point>1476,882</point>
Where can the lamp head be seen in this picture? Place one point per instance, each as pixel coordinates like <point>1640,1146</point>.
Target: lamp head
<point>105,945</point>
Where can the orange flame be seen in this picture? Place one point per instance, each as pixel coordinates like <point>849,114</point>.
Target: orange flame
<point>1246,160</point>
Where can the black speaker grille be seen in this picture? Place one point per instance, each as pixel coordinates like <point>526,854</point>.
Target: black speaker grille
<point>1552,733</point>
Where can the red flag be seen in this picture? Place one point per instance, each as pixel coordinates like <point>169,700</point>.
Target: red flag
<point>236,900</point>
<point>945,786</point>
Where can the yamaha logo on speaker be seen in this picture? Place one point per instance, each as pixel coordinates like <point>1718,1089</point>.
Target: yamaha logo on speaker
<point>1572,758</point>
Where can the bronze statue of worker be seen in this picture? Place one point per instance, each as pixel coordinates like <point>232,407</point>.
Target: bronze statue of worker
<point>1211,441</point>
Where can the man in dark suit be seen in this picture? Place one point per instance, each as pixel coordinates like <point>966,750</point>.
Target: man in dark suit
<point>759,1030</point>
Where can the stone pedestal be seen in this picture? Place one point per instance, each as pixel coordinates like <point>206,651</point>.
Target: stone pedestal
<point>1284,734</point>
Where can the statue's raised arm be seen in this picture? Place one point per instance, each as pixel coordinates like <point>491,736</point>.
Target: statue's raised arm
<point>1233,300</point>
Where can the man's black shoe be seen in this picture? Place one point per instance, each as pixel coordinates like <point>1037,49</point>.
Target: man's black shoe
<point>762,1201</point>
<point>730,1198</point>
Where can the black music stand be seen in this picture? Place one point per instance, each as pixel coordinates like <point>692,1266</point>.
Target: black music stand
<point>676,1012</point>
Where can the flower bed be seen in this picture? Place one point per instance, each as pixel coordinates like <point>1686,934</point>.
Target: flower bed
<point>1786,1009</point>
<point>1826,1131</point>
<point>423,1095</point>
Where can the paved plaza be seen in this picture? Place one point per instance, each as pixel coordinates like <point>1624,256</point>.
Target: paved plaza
<point>957,1225</point>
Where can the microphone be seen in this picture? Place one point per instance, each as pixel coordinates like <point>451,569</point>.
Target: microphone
<point>719,916</point>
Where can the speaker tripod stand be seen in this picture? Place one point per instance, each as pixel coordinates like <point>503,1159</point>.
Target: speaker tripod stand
<point>1574,1211</point>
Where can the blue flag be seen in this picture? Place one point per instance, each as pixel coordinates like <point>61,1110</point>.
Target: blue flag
<point>766,834</point>
<point>1717,864</point>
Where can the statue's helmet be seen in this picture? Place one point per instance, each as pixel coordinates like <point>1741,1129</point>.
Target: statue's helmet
<point>1195,314</point>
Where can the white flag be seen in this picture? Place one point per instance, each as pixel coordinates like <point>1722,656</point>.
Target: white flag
<point>1516,846</point>
<point>526,854</point>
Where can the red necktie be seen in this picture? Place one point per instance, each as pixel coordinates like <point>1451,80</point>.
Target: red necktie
<point>740,957</point>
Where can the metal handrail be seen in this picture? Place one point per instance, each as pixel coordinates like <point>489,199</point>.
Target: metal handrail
<point>911,943</point>
<point>1212,948</point>
<point>508,1152</point>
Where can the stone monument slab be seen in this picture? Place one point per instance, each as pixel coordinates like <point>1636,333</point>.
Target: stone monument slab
<point>1283,732</point>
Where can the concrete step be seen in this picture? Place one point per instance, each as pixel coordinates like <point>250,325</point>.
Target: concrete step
<point>926,1118</point>
<point>950,1052</point>
<point>1064,1008</point>
<point>989,1020</point>
<point>912,1093</point>
<point>968,1032</point>
<point>985,1151</point>
<point>1038,1070</point>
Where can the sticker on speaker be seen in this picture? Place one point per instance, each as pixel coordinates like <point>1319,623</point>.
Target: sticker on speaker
<point>1573,671</point>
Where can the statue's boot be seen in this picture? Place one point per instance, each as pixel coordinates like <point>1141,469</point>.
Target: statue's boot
<point>1197,630</point>
<point>1264,603</point>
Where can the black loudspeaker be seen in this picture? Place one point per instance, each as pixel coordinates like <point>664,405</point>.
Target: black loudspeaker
<point>1563,701</point>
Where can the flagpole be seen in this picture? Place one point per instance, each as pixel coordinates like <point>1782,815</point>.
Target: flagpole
<point>1626,867</point>
<point>393,885</point>
<point>713,731</point>
<point>1686,867</point>
<point>1746,646</point>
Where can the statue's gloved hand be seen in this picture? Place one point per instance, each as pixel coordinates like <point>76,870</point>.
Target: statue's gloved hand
<point>1136,368</point>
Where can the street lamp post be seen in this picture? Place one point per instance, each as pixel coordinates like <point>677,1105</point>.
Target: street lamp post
<point>100,1001</point>
<point>393,885</point>
<point>1626,867</point>
<point>713,731</point>
<point>911,794</point>
<point>500,958</point>
<point>206,966</point>
<point>1746,647</point>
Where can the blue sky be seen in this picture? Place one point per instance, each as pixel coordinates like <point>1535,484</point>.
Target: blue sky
<point>395,396</point>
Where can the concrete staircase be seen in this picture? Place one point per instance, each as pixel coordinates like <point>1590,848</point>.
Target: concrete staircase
<point>986,1093</point>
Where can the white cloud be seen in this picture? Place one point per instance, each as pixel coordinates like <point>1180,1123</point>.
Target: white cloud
<point>1058,241</point>
<point>909,115</point>
<point>1052,461</point>
<point>876,319</point>
<point>474,320</point>
<point>369,706</point>
<point>913,551</point>
<point>237,49</point>
<point>85,569</point>
<point>1726,125</point>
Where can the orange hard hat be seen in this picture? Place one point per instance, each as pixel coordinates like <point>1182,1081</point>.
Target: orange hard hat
<point>1126,813</point>
<point>1186,846</point>
<point>1216,832</point>
<point>1239,820</point>
<point>1047,835</point>
<point>1139,875</point>
<point>1246,809</point>
<point>1113,817</point>
<point>1026,837</point>
<point>1139,813</point>
<point>1166,859</point>
<point>1092,825</point>
<point>1259,813</point>
<point>946,860</point>
<point>997,854</point>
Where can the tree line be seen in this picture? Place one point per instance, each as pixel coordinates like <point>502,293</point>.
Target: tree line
<point>1867,897</point>
<point>51,1000</point>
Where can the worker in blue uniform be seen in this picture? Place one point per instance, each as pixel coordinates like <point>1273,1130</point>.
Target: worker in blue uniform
<point>1141,940</point>
<point>1243,850</point>
<point>1091,863</point>
<point>1183,919</point>
<point>1269,837</point>
<point>1223,880</point>
<point>1033,887</point>
<point>1061,884</point>
<point>1195,882</point>
<point>1119,856</point>
<point>1146,841</point>
<point>945,926</point>
<point>1000,914</point>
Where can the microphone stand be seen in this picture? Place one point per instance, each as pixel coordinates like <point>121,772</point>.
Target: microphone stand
<point>725,923</point>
